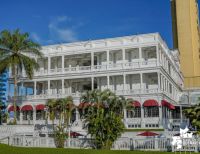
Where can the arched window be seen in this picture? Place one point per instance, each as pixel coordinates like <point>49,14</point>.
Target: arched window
<point>137,112</point>
<point>134,113</point>
<point>27,111</point>
<point>151,108</point>
<point>151,111</point>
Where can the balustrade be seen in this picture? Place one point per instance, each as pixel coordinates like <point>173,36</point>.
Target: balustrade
<point>80,69</point>
<point>57,93</point>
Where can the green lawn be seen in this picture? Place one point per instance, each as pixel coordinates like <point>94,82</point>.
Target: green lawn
<point>4,149</point>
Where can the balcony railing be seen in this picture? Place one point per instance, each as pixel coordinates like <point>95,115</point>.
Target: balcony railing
<point>59,94</point>
<point>80,69</point>
<point>178,121</point>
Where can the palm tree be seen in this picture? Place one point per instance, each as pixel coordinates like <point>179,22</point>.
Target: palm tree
<point>52,108</point>
<point>63,107</point>
<point>18,52</point>
<point>103,119</point>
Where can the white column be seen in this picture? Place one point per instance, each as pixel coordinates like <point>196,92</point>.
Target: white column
<point>171,114</point>
<point>20,117</point>
<point>108,57</point>
<point>10,72</point>
<point>142,117</point>
<point>160,115</point>
<point>141,82</point>
<point>63,63</point>
<point>63,86</point>
<point>157,55</point>
<point>49,87</point>
<point>123,55</point>
<point>34,115</point>
<point>92,83</point>
<point>22,88</point>
<point>26,93</point>
<point>140,53</point>
<point>159,83</point>
<point>35,88</point>
<point>168,86</point>
<point>181,114</point>
<point>162,78</point>
<point>108,81</point>
<point>160,56</point>
<point>77,114</point>
<point>92,60</point>
<point>164,81</point>
<point>124,79</point>
<point>49,64</point>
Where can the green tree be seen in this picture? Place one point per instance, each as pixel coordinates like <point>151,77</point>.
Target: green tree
<point>104,117</point>
<point>52,108</point>
<point>193,113</point>
<point>65,107</point>
<point>62,107</point>
<point>18,52</point>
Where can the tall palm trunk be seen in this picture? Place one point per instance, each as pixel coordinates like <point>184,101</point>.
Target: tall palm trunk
<point>15,94</point>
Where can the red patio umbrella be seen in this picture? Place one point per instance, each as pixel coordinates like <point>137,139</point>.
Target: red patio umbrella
<point>75,134</point>
<point>147,133</point>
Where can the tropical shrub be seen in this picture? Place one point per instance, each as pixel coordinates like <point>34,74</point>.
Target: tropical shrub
<point>104,116</point>
<point>193,113</point>
<point>63,107</point>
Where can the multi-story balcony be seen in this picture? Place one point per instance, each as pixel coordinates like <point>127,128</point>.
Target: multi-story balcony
<point>125,59</point>
<point>78,94</point>
<point>132,58</point>
<point>97,68</point>
<point>127,84</point>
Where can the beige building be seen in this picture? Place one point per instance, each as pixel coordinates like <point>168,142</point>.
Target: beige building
<point>185,21</point>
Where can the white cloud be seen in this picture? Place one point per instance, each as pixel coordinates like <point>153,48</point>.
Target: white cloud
<point>60,30</point>
<point>35,37</point>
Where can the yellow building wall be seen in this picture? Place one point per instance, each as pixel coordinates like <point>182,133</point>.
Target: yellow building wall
<point>188,40</point>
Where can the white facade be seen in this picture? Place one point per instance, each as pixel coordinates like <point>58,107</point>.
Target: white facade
<point>139,67</point>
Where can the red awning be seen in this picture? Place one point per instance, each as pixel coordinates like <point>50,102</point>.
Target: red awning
<point>150,102</point>
<point>136,104</point>
<point>27,108</point>
<point>40,107</point>
<point>11,108</point>
<point>148,134</point>
<point>167,104</point>
<point>84,105</point>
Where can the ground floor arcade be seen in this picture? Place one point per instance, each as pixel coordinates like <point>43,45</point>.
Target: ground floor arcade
<point>148,114</point>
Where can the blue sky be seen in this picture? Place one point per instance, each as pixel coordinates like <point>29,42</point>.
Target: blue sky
<point>58,21</point>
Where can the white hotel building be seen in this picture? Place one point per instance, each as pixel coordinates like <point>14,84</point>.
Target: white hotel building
<point>141,67</point>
